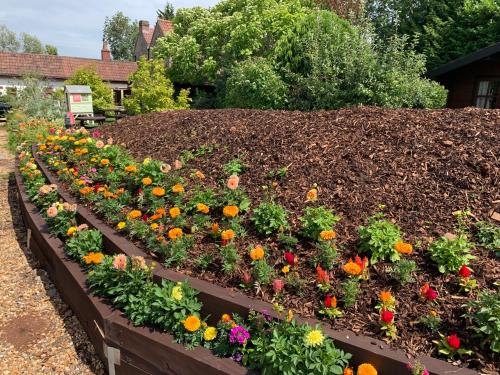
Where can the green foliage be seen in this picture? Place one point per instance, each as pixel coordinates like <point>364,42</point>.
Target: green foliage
<point>234,167</point>
<point>280,350</point>
<point>403,270</point>
<point>327,254</point>
<point>315,220</point>
<point>431,322</point>
<point>378,239</point>
<point>350,290</point>
<point>269,218</point>
<point>167,13</point>
<point>230,258</point>
<point>121,33</point>
<point>254,83</point>
<point>175,251</point>
<point>451,253</point>
<point>262,272</point>
<point>484,315</point>
<point>102,94</point>
<point>152,91</point>
<point>50,49</point>
<point>83,242</point>
<point>204,261</point>
<point>31,44</point>
<point>8,40</point>
<point>488,235</point>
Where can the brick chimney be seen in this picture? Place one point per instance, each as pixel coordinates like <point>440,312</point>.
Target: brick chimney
<point>105,53</point>
<point>143,26</point>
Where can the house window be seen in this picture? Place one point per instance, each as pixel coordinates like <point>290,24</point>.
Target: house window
<point>487,94</point>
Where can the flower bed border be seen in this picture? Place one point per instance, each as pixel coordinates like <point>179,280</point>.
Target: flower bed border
<point>218,300</point>
<point>142,350</point>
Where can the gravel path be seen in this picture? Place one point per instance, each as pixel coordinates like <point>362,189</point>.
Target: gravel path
<point>38,332</point>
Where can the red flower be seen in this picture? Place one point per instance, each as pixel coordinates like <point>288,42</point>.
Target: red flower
<point>322,276</point>
<point>290,258</point>
<point>145,217</point>
<point>278,285</point>
<point>361,263</point>
<point>247,278</point>
<point>453,341</point>
<point>464,271</point>
<point>387,316</point>
<point>328,301</point>
<point>431,294</point>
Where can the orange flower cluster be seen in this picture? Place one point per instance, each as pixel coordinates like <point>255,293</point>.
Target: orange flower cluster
<point>228,234</point>
<point>130,169</point>
<point>203,208</point>
<point>86,190</point>
<point>312,195</point>
<point>104,162</point>
<point>178,188</point>
<point>158,191</point>
<point>356,267</point>
<point>328,235</point>
<point>199,174</point>
<point>230,211</point>
<point>93,258</point>
<point>322,276</point>
<point>146,181</point>
<point>175,233</point>
<point>257,253</point>
<point>403,247</point>
<point>174,212</point>
<point>192,323</point>
<point>134,214</point>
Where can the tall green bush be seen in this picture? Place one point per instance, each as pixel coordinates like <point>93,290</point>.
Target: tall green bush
<point>102,94</point>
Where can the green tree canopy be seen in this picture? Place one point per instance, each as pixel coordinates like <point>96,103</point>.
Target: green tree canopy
<point>121,32</point>
<point>102,94</point>
<point>31,44</point>
<point>152,91</point>
<point>8,40</point>
<point>50,49</point>
<point>167,13</point>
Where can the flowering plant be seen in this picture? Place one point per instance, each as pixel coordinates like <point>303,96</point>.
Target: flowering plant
<point>330,308</point>
<point>450,346</point>
<point>466,282</point>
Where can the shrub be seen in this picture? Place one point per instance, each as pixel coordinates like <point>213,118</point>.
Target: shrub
<point>253,83</point>
<point>378,239</point>
<point>451,253</point>
<point>484,314</point>
<point>316,220</point>
<point>488,235</point>
<point>402,270</point>
<point>269,218</point>
<point>102,94</point>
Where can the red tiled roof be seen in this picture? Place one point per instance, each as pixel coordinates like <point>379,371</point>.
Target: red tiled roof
<point>148,35</point>
<point>62,67</point>
<point>165,25</point>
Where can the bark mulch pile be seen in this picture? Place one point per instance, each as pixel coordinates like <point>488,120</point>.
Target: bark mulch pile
<point>421,164</point>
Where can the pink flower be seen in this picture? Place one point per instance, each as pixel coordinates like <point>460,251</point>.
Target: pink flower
<point>51,211</point>
<point>278,285</point>
<point>177,164</point>
<point>233,182</point>
<point>120,262</point>
<point>82,227</point>
<point>425,372</point>
<point>247,278</point>
<point>99,144</point>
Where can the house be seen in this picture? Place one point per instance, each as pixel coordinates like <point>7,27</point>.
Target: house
<point>147,37</point>
<point>472,80</point>
<point>57,69</point>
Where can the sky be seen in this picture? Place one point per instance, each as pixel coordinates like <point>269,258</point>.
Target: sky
<point>75,27</point>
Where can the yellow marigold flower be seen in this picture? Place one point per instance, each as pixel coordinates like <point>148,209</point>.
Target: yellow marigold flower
<point>175,233</point>
<point>227,235</point>
<point>433,313</point>
<point>199,174</point>
<point>210,334</point>
<point>154,226</point>
<point>314,338</point>
<point>203,208</point>
<point>146,181</point>
<point>385,296</point>
<point>286,269</point>
<point>174,212</point>
<point>131,169</point>
<point>192,323</point>
<point>289,316</point>
<point>403,247</point>
<point>328,235</point>
<point>177,293</point>
<point>366,369</point>
<point>178,188</point>
<point>158,192</point>
<point>312,195</point>
<point>80,182</point>
<point>42,147</point>
<point>257,253</point>
<point>121,225</point>
<point>71,231</point>
<point>226,318</point>
<point>352,268</point>
<point>230,211</point>
<point>134,214</point>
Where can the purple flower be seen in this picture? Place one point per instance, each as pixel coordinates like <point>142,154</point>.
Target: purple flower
<point>238,335</point>
<point>237,357</point>
<point>266,315</point>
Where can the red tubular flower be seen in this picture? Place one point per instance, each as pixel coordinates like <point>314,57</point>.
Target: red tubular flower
<point>328,301</point>
<point>290,258</point>
<point>464,271</point>
<point>453,341</point>
<point>431,294</point>
<point>322,276</point>
<point>387,316</point>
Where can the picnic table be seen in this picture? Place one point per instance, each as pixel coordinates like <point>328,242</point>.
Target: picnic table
<point>99,119</point>
<point>117,113</point>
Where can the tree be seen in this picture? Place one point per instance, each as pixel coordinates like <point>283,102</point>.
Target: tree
<point>152,91</point>
<point>167,13</point>
<point>121,33</point>
<point>102,94</point>
<point>31,44</point>
<point>8,40</point>
<point>50,49</point>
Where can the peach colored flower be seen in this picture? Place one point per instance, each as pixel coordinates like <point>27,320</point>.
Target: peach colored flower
<point>99,144</point>
<point>177,164</point>
<point>120,262</point>
<point>233,182</point>
<point>52,211</point>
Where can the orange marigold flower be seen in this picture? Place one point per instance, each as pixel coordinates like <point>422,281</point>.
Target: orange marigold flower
<point>226,318</point>
<point>86,190</point>
<point>348,371</point>
<point>215,228</point>
<point>328,235</point>
<point>385,296</point>
<point>146,181</point>
<point>175,233</point>
<point>158,191</point>
<point>199,174</point>
<point>160,211</point>
<point>352,268</point>
<point>230,211</point>
<point>403,247</point>
<point>227,235</point>
<point>257,253</point>
<point>203,208</point>
<point>104,162</point>
<point>178,188</point>
<point>192,323</point>
<point>174,212</point>
<point>312,195</point>
<point>131,169</point>
<point>93,258</point>
<point>155,217</point>
<point>366,369</point>
<point>134,214</point>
